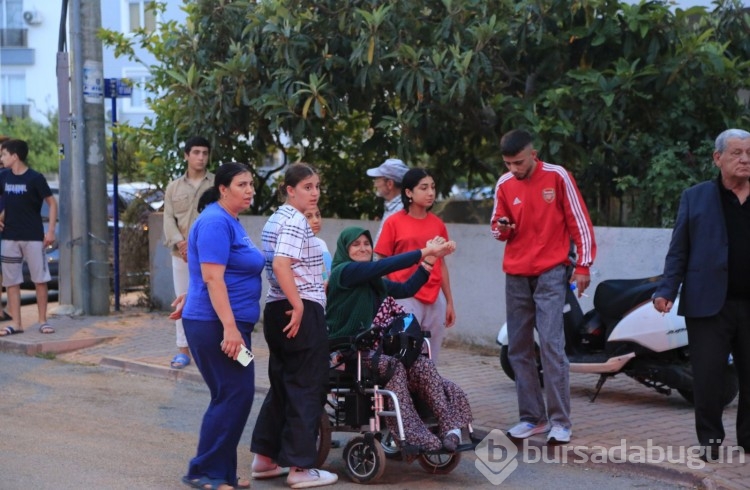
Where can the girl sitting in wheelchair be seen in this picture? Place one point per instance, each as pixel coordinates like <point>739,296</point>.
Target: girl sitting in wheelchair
<point>356,291</point>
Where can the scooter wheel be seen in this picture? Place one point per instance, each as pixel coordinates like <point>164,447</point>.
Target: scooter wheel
<point>508,369</point>
<point>731,388</point>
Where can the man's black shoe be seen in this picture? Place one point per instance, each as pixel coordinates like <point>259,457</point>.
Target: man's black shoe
<point>710,454</point>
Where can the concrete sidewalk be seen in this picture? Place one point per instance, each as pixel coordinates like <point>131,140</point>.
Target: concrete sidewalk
<point>625,414</point>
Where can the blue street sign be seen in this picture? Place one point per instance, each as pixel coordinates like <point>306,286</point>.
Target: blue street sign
<point>117,87</point>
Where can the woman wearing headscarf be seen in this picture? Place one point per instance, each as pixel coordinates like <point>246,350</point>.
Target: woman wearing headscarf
<point>356,289</point>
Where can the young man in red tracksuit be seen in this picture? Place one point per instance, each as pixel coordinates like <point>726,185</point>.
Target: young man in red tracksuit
<point>538,211</point>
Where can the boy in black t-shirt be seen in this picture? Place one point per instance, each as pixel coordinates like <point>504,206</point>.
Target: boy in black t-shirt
<point>23,191</point>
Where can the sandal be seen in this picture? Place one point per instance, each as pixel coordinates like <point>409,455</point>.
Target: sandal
<point>206,483</point>
<point>9,331</point>
<point>46,328</point>
<point>179,361</point>
<point>243,482</point>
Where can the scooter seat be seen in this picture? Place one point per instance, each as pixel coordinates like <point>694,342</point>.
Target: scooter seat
<point>615,297</point>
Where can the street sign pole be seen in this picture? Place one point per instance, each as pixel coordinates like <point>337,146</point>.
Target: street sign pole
<point>114,87</point>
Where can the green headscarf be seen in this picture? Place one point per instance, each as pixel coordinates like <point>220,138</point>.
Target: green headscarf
<point>345,240</point>
<point>350,309</point>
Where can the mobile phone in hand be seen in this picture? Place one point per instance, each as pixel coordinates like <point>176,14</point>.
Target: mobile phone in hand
<point>503,221</point>
<point>245,357</point>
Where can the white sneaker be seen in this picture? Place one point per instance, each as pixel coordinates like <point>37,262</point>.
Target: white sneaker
<point>300,478</point>
<point>522,430</point>
<point>559,434</point>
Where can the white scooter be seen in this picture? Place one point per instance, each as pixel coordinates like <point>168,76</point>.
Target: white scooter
<point>623,333</point>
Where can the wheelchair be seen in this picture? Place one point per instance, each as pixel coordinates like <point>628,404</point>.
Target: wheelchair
<point>356,403</point>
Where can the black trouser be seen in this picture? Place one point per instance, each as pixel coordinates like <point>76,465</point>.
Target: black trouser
<point>287,424</point>
<point>711,340</point>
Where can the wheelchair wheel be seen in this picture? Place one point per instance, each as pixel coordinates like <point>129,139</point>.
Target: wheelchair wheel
<point>390,446</point>
<point>364,459</point>
<point>439,464</point>
<point>323,441</point>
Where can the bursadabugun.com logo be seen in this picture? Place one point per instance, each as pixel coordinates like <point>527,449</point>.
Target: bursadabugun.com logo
<point>497,455</point>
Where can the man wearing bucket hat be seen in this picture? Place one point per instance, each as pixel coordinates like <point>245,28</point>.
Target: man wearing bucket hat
<point>388,186</point>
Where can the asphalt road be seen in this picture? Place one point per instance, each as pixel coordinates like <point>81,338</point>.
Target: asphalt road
<point>68,426</point>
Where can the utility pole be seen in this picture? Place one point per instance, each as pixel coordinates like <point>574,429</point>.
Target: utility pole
<point>77,195</point>
<point>89,173</point>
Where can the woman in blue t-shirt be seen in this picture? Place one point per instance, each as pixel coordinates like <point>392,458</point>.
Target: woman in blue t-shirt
<point>221,308</point>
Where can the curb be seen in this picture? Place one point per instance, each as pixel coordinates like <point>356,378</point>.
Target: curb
<point>34,348</point>
<point>144,368</point>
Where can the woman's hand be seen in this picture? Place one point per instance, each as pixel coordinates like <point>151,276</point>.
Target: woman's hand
<point>232,342</point>
<point>439,247</point>
<point>292,327</point>
<point>450,315</point>
<point>178,304</point>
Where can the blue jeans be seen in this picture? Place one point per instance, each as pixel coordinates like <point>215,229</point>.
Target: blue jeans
<point>538,301</point>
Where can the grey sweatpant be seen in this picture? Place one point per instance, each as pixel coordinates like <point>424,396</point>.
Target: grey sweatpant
<point>538,301</point>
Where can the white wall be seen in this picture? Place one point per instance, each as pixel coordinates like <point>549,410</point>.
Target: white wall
<point>477,280</point>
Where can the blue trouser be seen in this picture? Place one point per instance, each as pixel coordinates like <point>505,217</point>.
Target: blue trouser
<point>232,388</point>
<point>537,302</point>
<point>288,422</point>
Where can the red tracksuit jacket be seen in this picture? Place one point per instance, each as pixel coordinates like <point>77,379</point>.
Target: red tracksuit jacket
<point>548,211</point>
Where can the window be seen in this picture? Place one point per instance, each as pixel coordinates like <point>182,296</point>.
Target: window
<point>11,14</point>
<point>140,15</point>
<point>137,102</point>
<point>12,88</point>
<point>13,95</point>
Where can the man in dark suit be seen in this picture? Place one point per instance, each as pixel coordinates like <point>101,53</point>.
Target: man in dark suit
<point>709,255</point>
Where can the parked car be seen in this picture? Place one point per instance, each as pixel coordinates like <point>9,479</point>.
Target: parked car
<point>128,193</point>
<point>460,193</point>
<point>137,200</point>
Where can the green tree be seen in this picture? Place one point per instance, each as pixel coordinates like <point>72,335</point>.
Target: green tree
<point>610,89</point>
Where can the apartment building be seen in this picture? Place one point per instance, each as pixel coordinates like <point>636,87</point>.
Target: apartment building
<point>29,31</point>
<point>28,46</point>
<point>127,16</point>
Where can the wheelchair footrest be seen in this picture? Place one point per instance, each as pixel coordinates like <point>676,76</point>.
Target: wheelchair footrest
<point>410,450</point>
<point>469,446</point>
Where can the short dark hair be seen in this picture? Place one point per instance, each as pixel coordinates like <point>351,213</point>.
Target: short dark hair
<point>197,141</point>
<point>514,141</point>
<point>17,147</point>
